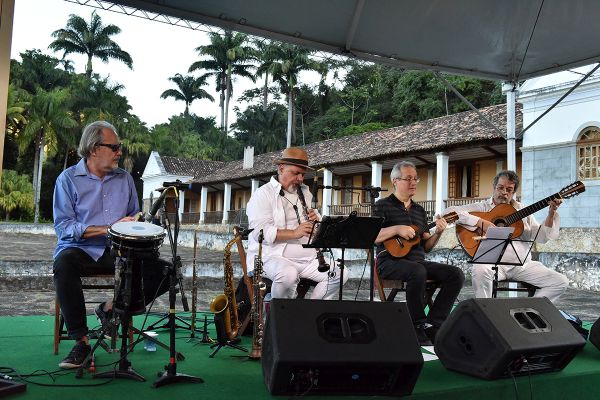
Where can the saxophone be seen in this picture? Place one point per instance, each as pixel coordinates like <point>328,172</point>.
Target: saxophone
<point>226,302</point>
<point>256,313</point>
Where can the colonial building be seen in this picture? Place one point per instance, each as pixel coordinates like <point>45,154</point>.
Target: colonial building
<point>456,158</point>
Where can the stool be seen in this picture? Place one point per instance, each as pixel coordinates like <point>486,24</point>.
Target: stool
<point>504,286</point>
<point>59,330</point>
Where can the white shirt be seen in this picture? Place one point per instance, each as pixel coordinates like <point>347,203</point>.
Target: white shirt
<point>269,211</point>
<point>531,228</point>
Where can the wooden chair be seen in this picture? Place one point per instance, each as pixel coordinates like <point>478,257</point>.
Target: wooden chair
<point>396,286</point>
<point>60,332</point>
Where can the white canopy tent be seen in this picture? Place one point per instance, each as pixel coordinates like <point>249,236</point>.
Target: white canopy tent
<point>508,40</point>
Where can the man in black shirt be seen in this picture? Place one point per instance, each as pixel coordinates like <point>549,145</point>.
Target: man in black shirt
<point>400,215</point>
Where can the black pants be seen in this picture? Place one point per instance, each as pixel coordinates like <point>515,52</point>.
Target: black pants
<point>415,273</point>
<point>73,263</point>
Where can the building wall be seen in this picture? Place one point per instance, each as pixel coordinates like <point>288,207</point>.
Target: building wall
<point>549,147</point>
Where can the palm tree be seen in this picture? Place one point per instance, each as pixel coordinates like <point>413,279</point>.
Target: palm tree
<point>133,134</point>
<point>17,103</point>
<point>228,57</point>
<point>264,55</point>
<point>49,118</point>
<point>92,40</point>
<point>189,89</point>
<point>15,192</point>
<point>289,61</point>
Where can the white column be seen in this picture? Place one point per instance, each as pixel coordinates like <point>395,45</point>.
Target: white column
<point>511,150</point>
<point>226,202</point>
<point>441,181</point>
<point>203,199</point>
<point>376,168</point>
<point>430,183</point>
<point>6,23</point>
<point>181,204</point>
<point>327,181</point>
<point>334,193</point>
<point>255,183</point>
<point>499,165</point>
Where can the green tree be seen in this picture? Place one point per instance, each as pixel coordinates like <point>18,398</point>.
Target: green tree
<point>188,89</point>
<point>16,193</point>
<point>290,60</point>
<point>48,119</point>
<point>93,40</point>
<point>17,103</point>
<point>228,56</point>
<point>261,128</point>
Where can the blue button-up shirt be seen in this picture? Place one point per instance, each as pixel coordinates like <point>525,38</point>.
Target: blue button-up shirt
<point>81,199</point>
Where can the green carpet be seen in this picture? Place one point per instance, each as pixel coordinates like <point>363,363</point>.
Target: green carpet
<point>26,346</point>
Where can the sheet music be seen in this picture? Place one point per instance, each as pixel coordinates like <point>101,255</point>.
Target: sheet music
<point>491,247</point>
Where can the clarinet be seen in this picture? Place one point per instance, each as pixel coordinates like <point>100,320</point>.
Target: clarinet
<point>323,266</point>
<point>256,313</point>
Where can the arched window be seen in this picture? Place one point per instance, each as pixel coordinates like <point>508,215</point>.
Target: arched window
<point>588,153</point>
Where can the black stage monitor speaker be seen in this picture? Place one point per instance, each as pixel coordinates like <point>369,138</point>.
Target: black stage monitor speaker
<point>340,347</point>
<point>595,334</point>
<point>497,338</point>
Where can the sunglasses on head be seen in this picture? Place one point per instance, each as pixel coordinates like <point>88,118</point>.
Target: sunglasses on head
<point>113,147</point>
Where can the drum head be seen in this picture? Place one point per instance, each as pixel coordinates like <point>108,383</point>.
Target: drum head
<point>137,229</point>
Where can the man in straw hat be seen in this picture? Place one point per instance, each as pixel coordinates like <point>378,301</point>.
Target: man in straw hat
<point>276,209</point>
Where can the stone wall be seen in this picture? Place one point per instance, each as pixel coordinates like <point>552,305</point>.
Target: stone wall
<point>576,254</point>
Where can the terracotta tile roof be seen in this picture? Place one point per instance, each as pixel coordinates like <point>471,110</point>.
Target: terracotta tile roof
<point>183,166</point>
<point>443,133</point>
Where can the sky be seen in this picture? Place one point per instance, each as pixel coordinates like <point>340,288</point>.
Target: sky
<point>158,50</point>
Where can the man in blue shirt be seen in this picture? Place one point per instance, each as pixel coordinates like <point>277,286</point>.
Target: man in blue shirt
<point>88,198</point>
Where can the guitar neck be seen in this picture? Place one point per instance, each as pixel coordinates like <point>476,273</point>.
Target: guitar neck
<point>527,211</point>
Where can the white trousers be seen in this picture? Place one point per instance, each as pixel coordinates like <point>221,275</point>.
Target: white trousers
<point>552,284</point>
<point>286,274</point>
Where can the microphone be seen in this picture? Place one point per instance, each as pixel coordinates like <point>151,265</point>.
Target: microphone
<point>156,206</point>
<point>192,186</point>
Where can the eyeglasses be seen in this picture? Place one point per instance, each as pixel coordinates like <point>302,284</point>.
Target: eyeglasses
<point>508,190</point>
<point>410,178</point>
<point>113,147</point>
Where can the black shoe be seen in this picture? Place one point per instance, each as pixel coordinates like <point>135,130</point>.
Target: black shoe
<point>422,335</point>
<point>76,356</point>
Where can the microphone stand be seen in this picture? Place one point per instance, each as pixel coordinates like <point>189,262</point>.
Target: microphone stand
<point>171,375</point>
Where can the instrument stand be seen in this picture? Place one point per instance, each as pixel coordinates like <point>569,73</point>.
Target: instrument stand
<point>222,340</point>
<point>171,375</point>
<point>123,310</point>
<point>351,232</point>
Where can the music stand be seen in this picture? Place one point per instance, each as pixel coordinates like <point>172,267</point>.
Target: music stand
<point>351,232</point>
<point>497,248</point>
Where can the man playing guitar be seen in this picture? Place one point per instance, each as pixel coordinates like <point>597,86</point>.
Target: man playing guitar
<point>551,283</point>
<point>401,214</point>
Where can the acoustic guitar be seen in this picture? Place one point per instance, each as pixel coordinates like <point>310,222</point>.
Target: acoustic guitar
<point>399,247</point>
<point>507,215</point>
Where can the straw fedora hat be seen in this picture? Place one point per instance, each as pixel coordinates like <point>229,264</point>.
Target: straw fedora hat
<point>294,156</point>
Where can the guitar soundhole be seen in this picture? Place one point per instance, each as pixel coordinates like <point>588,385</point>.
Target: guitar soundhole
<point>500,222</point>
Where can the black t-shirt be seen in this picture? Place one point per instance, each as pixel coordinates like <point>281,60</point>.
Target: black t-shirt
<point>394,213</point>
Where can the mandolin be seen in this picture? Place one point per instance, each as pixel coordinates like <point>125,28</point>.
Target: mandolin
<point>507,215</point>
<point>399,247</point>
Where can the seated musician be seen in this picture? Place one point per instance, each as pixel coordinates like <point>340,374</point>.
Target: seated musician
<point>88,198</point>
<point>286,222</point>
<point>551,283</point>
<point>401,214</point>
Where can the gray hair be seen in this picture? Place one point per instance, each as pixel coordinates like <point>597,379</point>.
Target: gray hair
<point>397,170</point>
<point>92,136</point>
<point>510,175</point>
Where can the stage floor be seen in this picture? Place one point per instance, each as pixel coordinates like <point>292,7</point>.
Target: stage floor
<point>26,347</point>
